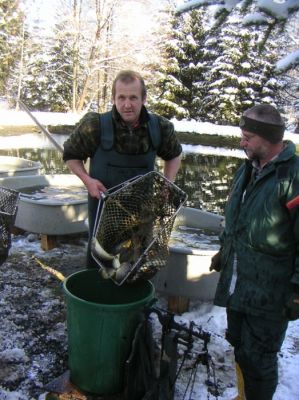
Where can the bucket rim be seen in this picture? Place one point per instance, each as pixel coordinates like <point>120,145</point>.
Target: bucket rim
<point>143,300</point>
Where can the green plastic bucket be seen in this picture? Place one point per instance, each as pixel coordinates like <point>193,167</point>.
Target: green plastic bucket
<point>101,321</point>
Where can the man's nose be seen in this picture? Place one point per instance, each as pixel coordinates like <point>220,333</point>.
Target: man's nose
<point>127,103</point>
<point>243,141</point>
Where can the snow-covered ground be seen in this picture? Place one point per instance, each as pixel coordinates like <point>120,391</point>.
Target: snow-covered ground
<point>33,343</point>
<point>19,118</point>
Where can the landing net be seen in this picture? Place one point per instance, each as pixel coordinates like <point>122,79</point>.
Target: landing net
<point>8,210</point>
<point>133,227</point>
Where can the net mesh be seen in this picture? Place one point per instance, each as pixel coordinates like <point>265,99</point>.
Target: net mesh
<point>8,209</point>
<point>134,223</point>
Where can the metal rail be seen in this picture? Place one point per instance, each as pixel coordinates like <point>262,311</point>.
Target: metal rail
<point>43,129</point>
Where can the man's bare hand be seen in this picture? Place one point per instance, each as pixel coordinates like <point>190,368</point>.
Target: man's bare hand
<point>95,187</point>
<point>216,262</point>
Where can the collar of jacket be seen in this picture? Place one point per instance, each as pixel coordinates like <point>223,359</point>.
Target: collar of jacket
<point>288,151</point>
<point>143,118</point>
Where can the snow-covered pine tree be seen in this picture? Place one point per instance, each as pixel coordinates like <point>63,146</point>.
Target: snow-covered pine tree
<point>242,74</point>
<point>35,85</point>
<point>11,28</point>
<point>60,77</point>
<point>28,79</point>
<point>181,84</point>
<point>214,71</point>
<point>288,74</point>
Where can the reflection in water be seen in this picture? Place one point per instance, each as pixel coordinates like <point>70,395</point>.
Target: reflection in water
<point>203,239</point>
<point>51,159</point>
<point>205,178</point>
<point>55,193</point>
<point>21,141</point>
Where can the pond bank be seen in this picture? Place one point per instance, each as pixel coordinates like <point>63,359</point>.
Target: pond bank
<point>192,132</point>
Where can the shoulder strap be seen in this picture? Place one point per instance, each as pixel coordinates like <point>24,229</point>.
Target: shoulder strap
<point>154,130</point>
<point>107,130</point>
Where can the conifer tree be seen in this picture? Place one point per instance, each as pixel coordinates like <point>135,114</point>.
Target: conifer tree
<point>181,79</point>
<point>11,21</point>
<point>60,77</point>
<point>35,85</point>
<point>241,75</point>
<point>214,71</point>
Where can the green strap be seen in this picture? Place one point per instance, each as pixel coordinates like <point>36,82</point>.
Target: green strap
<point>107,131</point>
<point>154,130</point>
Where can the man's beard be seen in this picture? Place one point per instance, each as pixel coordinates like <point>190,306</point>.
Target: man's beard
<point>252,155</point>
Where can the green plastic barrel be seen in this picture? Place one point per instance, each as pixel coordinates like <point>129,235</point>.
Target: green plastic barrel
<point>101,321</point>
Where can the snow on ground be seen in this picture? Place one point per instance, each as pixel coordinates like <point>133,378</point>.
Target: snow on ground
<point>33,344</point>
<point>19,118</point>
<point>33,341</point>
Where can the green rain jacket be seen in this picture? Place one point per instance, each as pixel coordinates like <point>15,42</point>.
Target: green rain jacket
<point>260,243</point>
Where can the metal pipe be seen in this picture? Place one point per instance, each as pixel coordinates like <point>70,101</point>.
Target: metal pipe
<point>43,129</point>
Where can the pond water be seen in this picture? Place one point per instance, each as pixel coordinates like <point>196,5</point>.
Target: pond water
<point>205,175</point>
<point>194,238</point>
<point>59,193</point>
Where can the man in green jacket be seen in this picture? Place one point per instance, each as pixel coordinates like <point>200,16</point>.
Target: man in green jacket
<point>259,255</point>
<point>124,149</point>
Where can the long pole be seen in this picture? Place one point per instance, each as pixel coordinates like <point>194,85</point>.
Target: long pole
<point>43,129</point>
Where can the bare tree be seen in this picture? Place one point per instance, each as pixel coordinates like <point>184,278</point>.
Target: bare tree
<point>83,48</point>
<point>77,8</point>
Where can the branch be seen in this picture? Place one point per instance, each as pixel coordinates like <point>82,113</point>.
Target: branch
<point>191,5</point>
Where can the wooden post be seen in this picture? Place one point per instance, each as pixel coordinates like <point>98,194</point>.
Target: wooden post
<point>178,304</point>
<point>17,231</point>
<point>48,242</point>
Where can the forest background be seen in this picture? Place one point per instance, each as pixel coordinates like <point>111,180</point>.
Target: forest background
<point>207,62</point>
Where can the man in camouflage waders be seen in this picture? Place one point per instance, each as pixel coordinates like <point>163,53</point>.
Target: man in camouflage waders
<point>123,147</point>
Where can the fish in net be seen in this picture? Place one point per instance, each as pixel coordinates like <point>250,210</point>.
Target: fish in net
<point>134,223</point>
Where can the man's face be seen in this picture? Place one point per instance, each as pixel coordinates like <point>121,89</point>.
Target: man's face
<point>255,147</point>
<point>129,101</point>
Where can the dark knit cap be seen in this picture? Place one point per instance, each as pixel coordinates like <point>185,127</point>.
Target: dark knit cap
<point>256,119</point>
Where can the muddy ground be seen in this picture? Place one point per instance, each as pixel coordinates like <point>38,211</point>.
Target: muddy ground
<point>33,344</point>
<point>33,331</point>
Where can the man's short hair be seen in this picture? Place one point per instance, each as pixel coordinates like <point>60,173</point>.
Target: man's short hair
<point>128,76</point>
